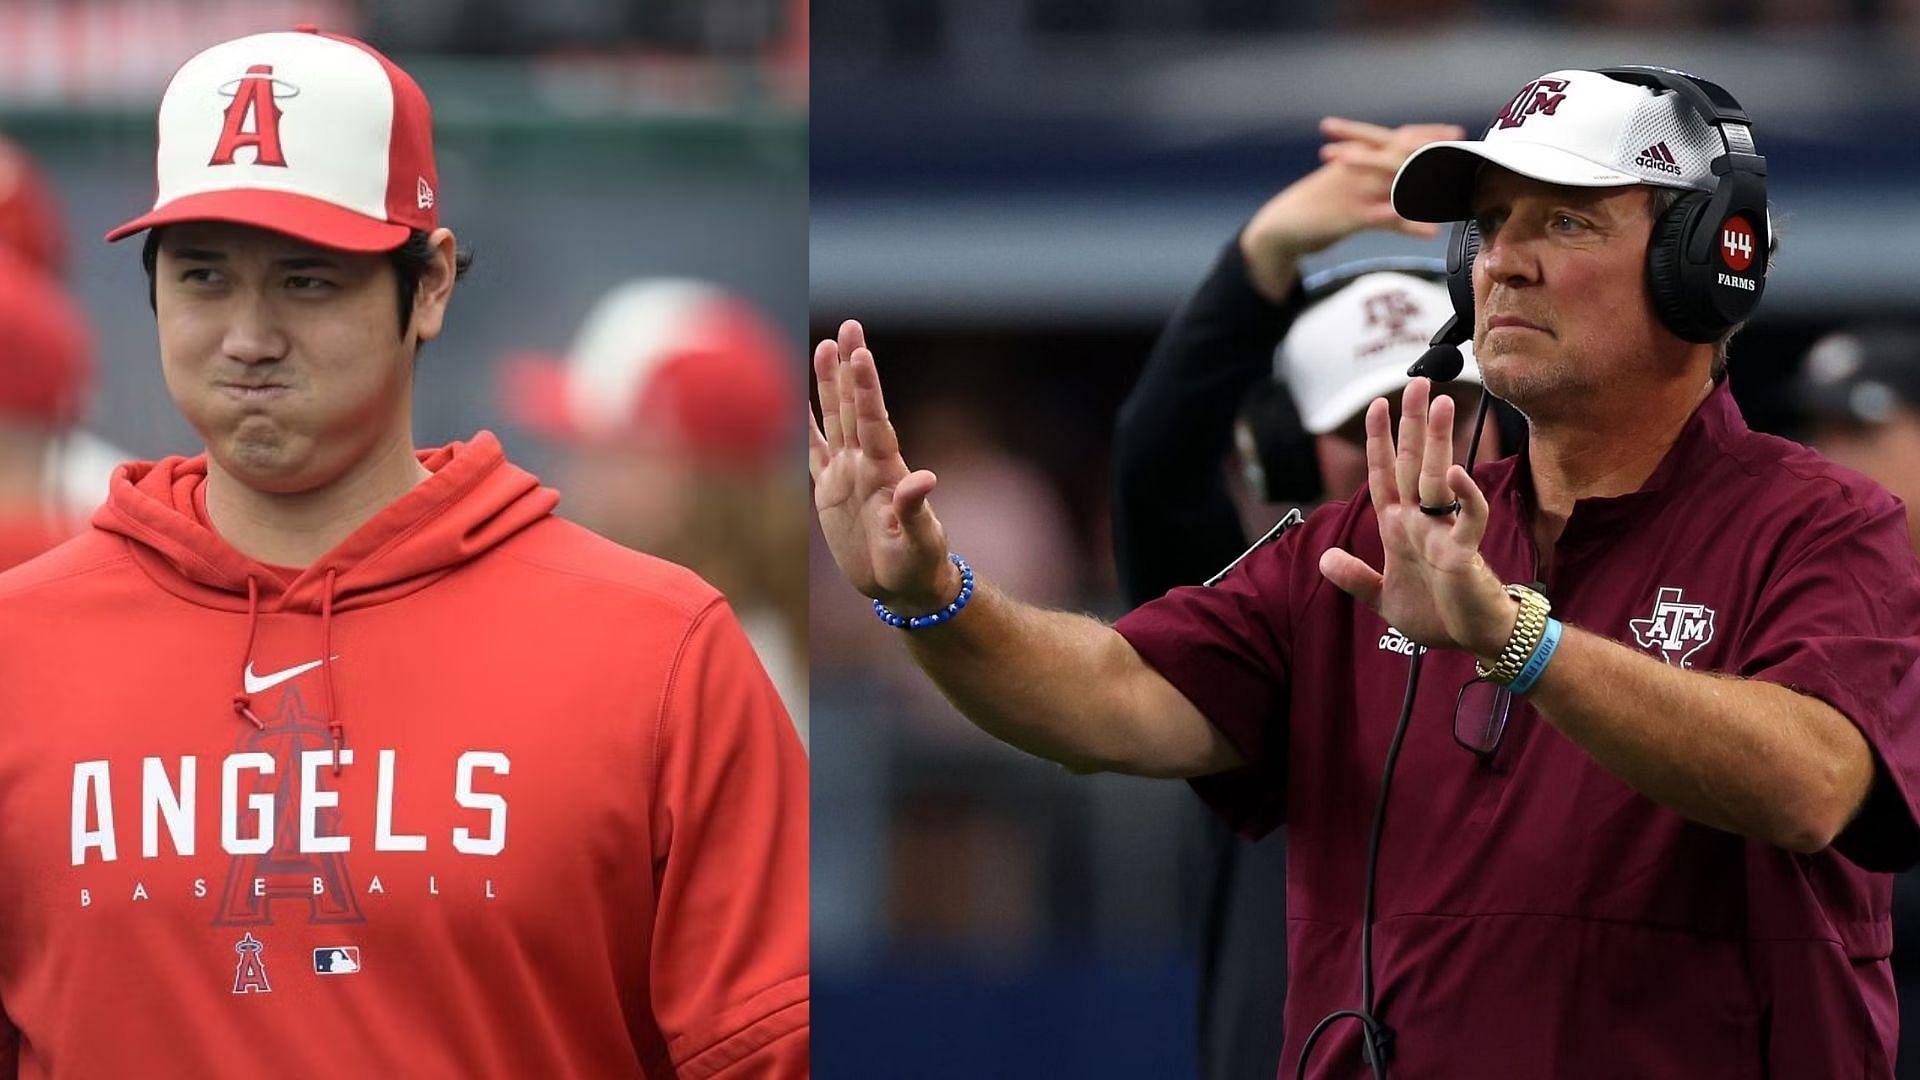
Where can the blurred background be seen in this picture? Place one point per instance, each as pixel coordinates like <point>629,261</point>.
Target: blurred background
<point>581,144</point>
<point>1014,195</point>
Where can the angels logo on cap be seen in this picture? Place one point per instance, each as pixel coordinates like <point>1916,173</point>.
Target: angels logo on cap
<point>253,95</point>
<point>314,135</point>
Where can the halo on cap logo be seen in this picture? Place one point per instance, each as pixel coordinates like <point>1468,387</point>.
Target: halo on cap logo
<point>255,97</point>
<point>1736,243</point>
<point>282,89</point>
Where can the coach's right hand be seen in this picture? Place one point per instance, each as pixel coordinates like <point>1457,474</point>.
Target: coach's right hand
<point>1349,193</point>
<point>873,512</point>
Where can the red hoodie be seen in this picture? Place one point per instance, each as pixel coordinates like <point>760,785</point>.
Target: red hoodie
<point>23,537</point>
<point>566,834</point>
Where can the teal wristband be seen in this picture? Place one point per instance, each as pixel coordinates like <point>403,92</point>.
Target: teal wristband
<point>1537,663</point>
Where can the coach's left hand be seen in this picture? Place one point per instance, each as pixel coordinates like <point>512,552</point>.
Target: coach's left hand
<point>1435,588</point>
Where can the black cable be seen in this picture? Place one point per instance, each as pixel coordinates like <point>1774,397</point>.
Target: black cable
<point>1376,1037</point>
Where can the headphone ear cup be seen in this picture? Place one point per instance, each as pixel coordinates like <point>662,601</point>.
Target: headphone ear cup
<point>1462,248</point>
<point>1681,303</point>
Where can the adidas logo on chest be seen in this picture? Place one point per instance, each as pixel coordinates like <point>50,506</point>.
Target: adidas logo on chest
<point>1394,641</point>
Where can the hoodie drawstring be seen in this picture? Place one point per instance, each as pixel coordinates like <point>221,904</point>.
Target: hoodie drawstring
<point>335,725</point>
<point>242,702</point>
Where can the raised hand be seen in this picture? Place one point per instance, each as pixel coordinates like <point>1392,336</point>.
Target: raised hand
<point>1347,194</point>
<point>873,511</point>
<point>1434,588</point>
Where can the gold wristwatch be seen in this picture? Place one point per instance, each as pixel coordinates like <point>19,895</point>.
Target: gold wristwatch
<point>1528,629</point>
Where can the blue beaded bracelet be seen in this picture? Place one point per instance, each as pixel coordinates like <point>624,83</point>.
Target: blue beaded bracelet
<point>1537,663</point>
<point>921,622</point>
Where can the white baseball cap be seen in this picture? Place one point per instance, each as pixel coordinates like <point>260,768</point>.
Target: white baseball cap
<point>1356,344</point>
<point>1572,127</point>
<point>314,135</point>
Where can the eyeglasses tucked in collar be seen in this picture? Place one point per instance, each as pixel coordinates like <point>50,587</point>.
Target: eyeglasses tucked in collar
<point>1480,717</point>
<point>1480,713</point>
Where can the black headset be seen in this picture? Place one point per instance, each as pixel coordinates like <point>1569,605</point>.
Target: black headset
<point>1707,257</point>
<point>1289,468</point>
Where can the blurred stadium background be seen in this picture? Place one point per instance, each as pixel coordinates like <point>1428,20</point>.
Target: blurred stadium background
<point>581,143</point>
<point>1014,195</point>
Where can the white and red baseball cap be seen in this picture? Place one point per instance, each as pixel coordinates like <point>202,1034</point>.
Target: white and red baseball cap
<point>30,222</point>
<point>46,349</point>
<point>664,363</point>
<point>1356,344</point>
<point>1572,127</point>
<point>314,135</point>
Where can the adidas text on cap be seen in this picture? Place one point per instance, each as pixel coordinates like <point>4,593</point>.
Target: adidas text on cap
<point>1577,128</point>
<point>314,135</point>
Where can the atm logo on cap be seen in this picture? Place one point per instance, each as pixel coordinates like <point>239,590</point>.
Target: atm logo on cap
<point>1392,310</point>
<point>1538,96</point>
<point>253,100</point>
<point>1388,316</point>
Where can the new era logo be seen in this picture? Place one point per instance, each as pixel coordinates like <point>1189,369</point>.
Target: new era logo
<point>423,194</point>
<point>1658,157</point>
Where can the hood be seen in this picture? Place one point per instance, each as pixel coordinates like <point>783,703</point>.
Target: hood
<point>474,501</point>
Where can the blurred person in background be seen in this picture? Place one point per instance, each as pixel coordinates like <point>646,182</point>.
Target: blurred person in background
<point>31,225</point>
<point>46,367</point>
<point>642,910</point>
<point>675,408</point>
<point>75,461</point>
<point>1861,386</point>
<point>1299,356</point>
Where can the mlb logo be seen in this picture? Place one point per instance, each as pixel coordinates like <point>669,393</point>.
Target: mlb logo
<point>336,960</point>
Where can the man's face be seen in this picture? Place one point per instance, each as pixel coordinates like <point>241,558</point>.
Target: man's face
<point>285,357</point>
<point>1559,289</point>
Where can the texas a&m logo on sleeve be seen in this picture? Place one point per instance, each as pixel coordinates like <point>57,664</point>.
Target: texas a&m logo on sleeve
<point>1676,629</point>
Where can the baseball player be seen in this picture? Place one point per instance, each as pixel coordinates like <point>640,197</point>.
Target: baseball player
<point>75,462</point>
<point>30,221</point>
<point>673,408</point>
<point>1660,752</point>
<point>46,365</point>
<point>323,754</point>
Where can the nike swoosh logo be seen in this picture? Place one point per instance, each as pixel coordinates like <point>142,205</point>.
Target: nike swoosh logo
<point>257,683</point>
